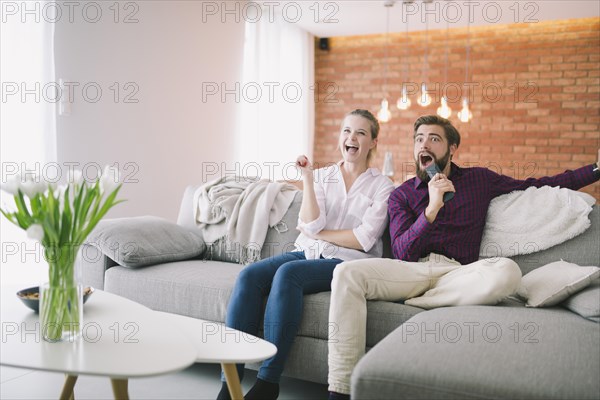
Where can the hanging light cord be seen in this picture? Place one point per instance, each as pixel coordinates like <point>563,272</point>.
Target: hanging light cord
<point>405,69</point>
<point>426,47</point>
<point>468,55</point>
<point>387,33</point>
<point>447,47</point>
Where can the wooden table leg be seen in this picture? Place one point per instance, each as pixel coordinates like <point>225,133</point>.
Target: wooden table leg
<point>67,391</point>
<point>119,387</point>
<point>233,381</point>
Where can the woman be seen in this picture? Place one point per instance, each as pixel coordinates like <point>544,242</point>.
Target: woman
<point>342,217</point>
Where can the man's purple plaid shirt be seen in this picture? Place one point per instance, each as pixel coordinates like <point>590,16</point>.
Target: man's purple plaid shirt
<point>457,230</point>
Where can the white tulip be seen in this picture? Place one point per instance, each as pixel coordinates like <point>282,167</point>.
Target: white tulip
<point>12,184</point>
<point>33,185</point>
<point>109,179</point>
<point>75,177</point>
<point>35,232</point>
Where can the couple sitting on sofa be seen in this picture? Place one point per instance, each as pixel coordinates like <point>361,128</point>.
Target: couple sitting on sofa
<point>342,218</point>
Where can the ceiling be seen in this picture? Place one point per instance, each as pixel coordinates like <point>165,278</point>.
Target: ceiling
<point>363,17</point>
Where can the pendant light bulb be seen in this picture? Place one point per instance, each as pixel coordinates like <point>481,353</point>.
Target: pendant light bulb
<point>384,114</point>
<point>443,110</point>
<point>465,114</point>
<point>403,102</point>
<point>424,98</point>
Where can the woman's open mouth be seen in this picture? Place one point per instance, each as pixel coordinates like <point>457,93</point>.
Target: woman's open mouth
<point>351,149</point>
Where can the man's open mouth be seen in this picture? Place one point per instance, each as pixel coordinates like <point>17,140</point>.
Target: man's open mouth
<point>425,160</point>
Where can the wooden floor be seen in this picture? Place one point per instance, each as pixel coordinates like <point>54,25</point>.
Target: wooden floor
<point>200,381</point>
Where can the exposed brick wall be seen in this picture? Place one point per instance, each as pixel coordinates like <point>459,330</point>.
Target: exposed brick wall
<point>536,106</point>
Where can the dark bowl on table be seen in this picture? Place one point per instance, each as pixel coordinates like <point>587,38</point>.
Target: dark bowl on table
<point>30,296</point>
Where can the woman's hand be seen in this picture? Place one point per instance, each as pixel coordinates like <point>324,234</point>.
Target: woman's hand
<point>305,166</point>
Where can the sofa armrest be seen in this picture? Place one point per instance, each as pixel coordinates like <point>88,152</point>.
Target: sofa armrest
<point>186,209</point>
<point>94,264</point>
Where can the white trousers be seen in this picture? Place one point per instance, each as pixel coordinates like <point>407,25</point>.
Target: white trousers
<point>438,281</point>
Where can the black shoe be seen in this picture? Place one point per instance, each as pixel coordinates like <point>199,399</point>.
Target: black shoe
<point>224,393</point>
<point>263,390</point>
<point>338,396</point>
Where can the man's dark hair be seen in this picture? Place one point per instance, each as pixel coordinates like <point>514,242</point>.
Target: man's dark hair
<point>451,132</point>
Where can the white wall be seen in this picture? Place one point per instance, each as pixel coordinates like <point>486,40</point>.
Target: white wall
<point>164,139</point>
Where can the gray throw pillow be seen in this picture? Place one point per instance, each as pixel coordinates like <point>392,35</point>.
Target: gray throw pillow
<point>586,303</point>
<point>551,284</point>
<point>139,241</point>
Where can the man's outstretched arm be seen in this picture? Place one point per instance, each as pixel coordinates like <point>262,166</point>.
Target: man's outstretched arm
<point>575,179</point>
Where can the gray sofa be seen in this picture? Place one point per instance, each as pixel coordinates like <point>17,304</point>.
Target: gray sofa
<point>504,351</point>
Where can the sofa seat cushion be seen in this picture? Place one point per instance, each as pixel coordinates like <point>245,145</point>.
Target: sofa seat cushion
<point>196,288</point>
<point>382,317</point>
<point>484,352</point>
<point>201,289</point>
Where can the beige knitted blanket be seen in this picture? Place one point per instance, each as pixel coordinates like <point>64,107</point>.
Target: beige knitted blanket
<point>240,210</point>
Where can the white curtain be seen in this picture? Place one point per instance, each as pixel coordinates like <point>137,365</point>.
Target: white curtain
<point>27,123</point>
<point>277,99</point>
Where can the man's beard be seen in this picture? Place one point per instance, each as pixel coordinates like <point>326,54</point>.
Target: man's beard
<point>441,164</point>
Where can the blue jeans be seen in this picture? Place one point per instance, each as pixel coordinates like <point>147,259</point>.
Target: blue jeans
<point>285,279</point>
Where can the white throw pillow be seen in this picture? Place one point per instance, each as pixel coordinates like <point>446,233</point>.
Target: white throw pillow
<point>537,218</point>
<point>554,282</point>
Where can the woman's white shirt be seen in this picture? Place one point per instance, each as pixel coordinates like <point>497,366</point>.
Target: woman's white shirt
<point>363,210</point>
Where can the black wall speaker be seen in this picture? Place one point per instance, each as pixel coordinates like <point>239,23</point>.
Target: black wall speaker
<point>324,44</point>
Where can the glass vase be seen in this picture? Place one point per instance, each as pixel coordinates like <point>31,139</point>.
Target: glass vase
<point>61,298</point>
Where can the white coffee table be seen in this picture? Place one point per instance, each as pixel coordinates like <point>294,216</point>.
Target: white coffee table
<point>216,343</point>
<point>121,339</point>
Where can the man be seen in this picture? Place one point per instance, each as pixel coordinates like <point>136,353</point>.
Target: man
<point>438,242</point>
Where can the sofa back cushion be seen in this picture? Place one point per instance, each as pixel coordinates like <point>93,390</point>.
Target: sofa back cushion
<point>582,250</point>
<point>280,239</point>
<point>387,242</point>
